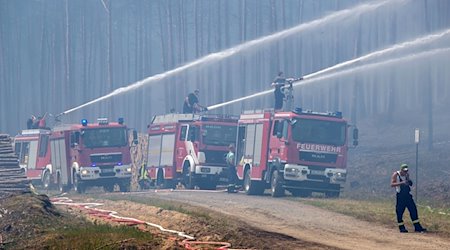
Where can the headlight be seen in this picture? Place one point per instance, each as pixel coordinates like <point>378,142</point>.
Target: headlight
<point>292,170</point>
<point>341,175</point>
<point>84,171</point>
<point>129,169</point>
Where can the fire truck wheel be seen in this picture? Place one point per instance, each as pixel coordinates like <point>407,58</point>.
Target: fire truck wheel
<point>188,184</point>
<point>252,187</point>
<point>108,188</point>
<point>169,184</point>
<point>46,180</point>
<point>276,187</point>
<point>78,185</point>
<point>124,187</point>
<point>187,180</point>
<point>332,194</point>
<point>160,182</point>
<point>61,187</point>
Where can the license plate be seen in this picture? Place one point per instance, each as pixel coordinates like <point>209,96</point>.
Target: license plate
<point>205,170</point>
<point>317,172</point>
<point>107,170</point>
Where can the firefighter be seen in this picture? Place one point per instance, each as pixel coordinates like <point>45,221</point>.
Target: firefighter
<point>31,122</point>
<point>232,176</point>
<point>191,104</point>
<point>400,180</point>
<point>42,123</point>
<point>143,177</point>
<point>278,83</point>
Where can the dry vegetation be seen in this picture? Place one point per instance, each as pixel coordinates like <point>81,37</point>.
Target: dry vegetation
<point>30,221</point>
<point>383,212</point>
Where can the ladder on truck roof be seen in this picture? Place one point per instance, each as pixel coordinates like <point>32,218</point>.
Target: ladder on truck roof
<point>174,118</point>
<point>34,131</point>
<point>257,111</point>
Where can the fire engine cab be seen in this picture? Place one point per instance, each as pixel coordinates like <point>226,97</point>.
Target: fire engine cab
<point>77,155</point>
<point>91,154</point>
<point>189,148</point>
<point>299,151</point>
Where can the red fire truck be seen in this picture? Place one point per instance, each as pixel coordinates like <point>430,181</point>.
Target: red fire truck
<point>189,148</point>
<point>33,150</point>
<point>91,154</point>
<point>299,151</point>
<point>78,155</point>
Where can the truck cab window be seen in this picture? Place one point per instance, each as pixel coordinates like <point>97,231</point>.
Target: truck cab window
<point>43,145</point>
<point>192,136</point>
<point>183,133</point>
<point>276,125</point>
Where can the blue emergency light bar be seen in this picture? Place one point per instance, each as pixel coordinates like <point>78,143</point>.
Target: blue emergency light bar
<point>84,122</point>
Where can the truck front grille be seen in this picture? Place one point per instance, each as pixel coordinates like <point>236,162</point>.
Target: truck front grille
<point>107,171</point>
<point>106,158</point>
<point>317,157</point>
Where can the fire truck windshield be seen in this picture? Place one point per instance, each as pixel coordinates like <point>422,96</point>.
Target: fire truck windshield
<point>218,135</point>
<point>319,132</point>
<point>104,137</point>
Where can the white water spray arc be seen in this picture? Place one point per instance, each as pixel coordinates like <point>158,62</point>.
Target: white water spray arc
<point>307,78</point>
<point>332,18</point>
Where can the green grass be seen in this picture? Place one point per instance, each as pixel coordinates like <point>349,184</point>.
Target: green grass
<point>383,212</point>
<point>99,237</point>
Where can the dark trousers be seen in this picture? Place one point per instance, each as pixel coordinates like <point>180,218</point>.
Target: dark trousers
<point>278,99</point>
<point>405,201</point>
<point>232,175</point>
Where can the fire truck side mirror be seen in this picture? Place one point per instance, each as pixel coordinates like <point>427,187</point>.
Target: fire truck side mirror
<point>74,139</point>
<point>135,137</point>
<point>278,129</point>
<point>279,134</point>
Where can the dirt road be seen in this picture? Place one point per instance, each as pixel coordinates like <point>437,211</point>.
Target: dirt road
<point>304,222</point>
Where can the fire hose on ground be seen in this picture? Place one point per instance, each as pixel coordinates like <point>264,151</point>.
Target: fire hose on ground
<point>189,241</point>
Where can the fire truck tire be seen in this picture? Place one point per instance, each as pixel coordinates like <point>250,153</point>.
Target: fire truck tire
<point>188,184</point>
<point>46,180</point>
<point>252,187</point>
<point>124,187</point>
<point>162,182</point>
<point>332,194</point>
<point>276,186</point>
<point>187,180</point>
<point>61,187</point>
<point>108,188</point>
<point>59,183</point>
<point>170,184</point>
<point>78,185</point>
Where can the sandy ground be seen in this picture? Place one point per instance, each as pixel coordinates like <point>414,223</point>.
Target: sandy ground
<point>304,222</point>
<point>204,224</point>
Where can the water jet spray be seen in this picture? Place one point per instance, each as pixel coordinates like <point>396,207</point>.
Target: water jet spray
<point>331,18</point>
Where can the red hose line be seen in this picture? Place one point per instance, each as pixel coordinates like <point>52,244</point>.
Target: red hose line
<point>112,216</point>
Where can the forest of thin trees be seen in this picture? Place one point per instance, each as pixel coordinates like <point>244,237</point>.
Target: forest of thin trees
<point>58,54</point>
